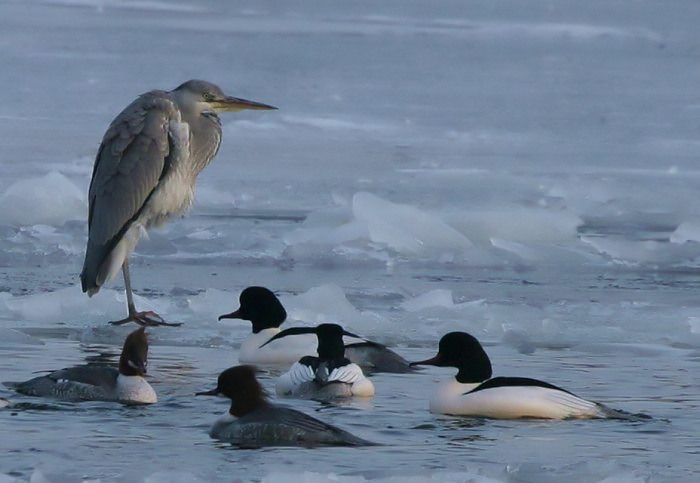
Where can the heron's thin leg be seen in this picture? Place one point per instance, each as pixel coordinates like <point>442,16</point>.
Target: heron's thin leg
<point>148,318</point>
<point>127,286</point>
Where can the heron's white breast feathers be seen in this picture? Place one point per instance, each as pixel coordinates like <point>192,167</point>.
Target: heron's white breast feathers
<point>175,191</point>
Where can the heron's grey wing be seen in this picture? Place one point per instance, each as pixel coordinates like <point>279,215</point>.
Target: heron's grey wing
<point>134,155</point>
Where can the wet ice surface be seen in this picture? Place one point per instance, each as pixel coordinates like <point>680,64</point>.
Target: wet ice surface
<point>527,175</point>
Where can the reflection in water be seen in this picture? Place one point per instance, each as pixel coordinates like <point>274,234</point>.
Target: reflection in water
<point>100,355</point>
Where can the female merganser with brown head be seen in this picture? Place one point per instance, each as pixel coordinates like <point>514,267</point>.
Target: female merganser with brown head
<point>252,421</point>
<point>97,383</point>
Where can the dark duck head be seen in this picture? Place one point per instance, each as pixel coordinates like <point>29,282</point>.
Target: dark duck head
<point>240,385</point>
<point>261,307</point>
<point>463,351</point>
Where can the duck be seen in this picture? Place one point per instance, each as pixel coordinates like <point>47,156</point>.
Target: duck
<point>326,376</point>
<point>263,309</point>
<point>125,384</point>
<point>253,421</point>
<point>474,392</point>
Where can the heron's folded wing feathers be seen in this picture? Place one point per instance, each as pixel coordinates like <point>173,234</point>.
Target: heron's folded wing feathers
<point>131,160</point>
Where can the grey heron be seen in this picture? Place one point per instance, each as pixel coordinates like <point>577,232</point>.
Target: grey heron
<point>145,171</point>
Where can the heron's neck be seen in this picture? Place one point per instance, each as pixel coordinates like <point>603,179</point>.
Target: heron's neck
<point>205,138</point>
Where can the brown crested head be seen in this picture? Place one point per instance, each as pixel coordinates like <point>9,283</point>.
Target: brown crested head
<point>134,357</point>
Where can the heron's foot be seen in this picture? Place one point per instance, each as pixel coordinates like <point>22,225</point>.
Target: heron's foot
<point>145,319</point>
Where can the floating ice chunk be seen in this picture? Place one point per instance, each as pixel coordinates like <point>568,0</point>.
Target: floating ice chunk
<point>686,232</point>
<point>38,476</point>
<point>42,306</point>
<point>371,228</point>
<point>52,199</point>
<point>632,252</point>
<point>328,227</point>
<point>46,239</point>
<point>405,228</point>
<point>70,304</point>
<point>155,243</point>
<point>9,337</point>
<point>212,303</point>
<point>517,224</point>
<point>519,340</point>
<point>326,303</point>
<point>208,196</point>
<point>523,251</point>
<point>434,298</point>
<point>544,252</point>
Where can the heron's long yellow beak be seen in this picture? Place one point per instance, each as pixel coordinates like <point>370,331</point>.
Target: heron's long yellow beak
<point>229,104</point>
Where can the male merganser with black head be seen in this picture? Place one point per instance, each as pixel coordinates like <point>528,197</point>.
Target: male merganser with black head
<point>252,421</point>
<point>328,375</point>
<point>474,393</point>
<point>97,383</point>
<point>262,307</point>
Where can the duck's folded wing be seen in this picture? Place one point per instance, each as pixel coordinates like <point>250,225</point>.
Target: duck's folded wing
<point>308,429</point>
<point>74,383</point>
<point>300,373</point>
<point>376,357</point>
<point>89,375</point>
<point>349,373</point>
<point>517,397</point>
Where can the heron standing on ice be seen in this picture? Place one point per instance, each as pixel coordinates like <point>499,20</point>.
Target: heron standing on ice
<point>145,172</point>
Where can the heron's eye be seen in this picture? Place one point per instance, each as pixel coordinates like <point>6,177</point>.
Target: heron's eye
<point>208,96</point>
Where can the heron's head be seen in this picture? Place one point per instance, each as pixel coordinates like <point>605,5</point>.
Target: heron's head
<point>204,96</point>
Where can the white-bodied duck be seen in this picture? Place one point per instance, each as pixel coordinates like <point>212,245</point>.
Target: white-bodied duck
<point>327,375</point>
<point>473,392</point>
<point>264,310</point>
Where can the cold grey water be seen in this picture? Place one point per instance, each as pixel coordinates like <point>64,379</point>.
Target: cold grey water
<point>523,171</point>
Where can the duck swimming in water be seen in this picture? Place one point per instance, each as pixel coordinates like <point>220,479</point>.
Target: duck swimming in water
<point>473,392</point>
<point>252,421</point>
<point>264,310</point>
<point>96,383</point>
<point>325,376</point>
